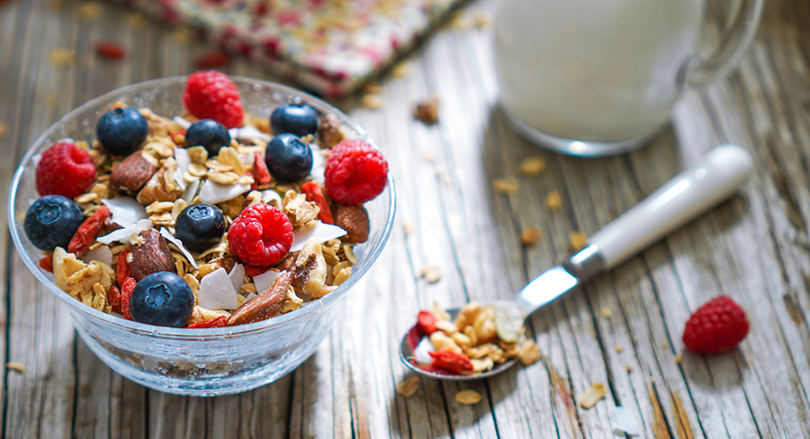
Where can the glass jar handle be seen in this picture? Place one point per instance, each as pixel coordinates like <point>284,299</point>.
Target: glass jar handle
<point>734,41</point>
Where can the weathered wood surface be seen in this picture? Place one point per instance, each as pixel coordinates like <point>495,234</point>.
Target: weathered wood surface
<point>753,247</point>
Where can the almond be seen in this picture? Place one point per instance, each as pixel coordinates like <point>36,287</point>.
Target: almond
<point>151,256</point>
<point>265,305</point>
<point>352,219</point>
<point>329,131</point>
<point>133,172</point>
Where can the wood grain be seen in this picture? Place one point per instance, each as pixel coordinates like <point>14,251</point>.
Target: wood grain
<point>753,247</point>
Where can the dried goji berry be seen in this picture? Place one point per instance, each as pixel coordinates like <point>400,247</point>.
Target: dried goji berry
<point>314,195</point>
<point>114,297</point>
<point>414,338</point>
<point>46,263</point>
<point>177,139</point>
<point>211,59</point>
<point>260,173</point>
<point>452,361</point>
<point>122,270</point>
<point>126,293</point>
<point>254,271</point>
<point>218,322</point>
<point>426,322</point>
<point>86,235</point>
<point>110,50</point>
<point>436,369</point>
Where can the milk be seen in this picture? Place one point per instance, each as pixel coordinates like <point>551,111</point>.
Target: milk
<point>594,70</point>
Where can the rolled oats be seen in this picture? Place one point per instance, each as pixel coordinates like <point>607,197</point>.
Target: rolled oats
<point>593,395</point>
<point>468,397</point>
<point>408,387</point>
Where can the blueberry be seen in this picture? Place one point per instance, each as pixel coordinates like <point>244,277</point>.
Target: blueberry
<point>288,158</point>
<point>200,226</point>
<point>208,133</point>
<point>122,130</point>
<point>297,119</point>
<point>162,299</point>
<point>52,221</point>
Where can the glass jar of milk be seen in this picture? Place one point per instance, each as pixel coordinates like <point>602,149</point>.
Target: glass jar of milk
<point>599,77</point>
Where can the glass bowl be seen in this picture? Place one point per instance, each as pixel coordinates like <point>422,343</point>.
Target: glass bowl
<point>198,362</point>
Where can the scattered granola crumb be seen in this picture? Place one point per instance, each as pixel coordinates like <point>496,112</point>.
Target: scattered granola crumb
<point>459,21</point>
<point>182,35</point>
<point>16,366</point>
<point>606,312</point>
<point>532,166</point>
<point>373,101</point>
<point>530,236</point>
<point>678,358</point>
<point>629,368</point>
<point>469,397</point>
<point>506,185</point>
<point>408,387</point>
<point>553,200</point>
<point>482,19</point>
<point>3,130</point>
<point>592,396</point>
<point>373,88</point>
<point>431,273</point>
<point>429,156</point>
<point>61,57</point>
<point>136,20</point>
<point>578,240</point>
<point>89,10</point>
<point>427,111</point>
<point>407,228</point>
<point>530,354</point>
<point>401,69</point>
<point>619,348</point>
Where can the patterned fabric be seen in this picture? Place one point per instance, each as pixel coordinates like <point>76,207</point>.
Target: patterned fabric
<point>329,46</point>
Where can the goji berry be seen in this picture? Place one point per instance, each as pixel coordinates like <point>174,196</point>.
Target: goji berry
<point>126,293</point>
<point>122,271</point>
<point>314,195</point>
<point>110,50</point>
<point>219,322</point>
<point>426,322</point>
<point>414,338</point>
<point>86,235</point>
<point>114,297</point>
<point>454,361</point>
<point>254,271</point>
<point>212,59</point>
<point>260,173</point>
<point>176,137</point>
<point>46,263</point>
<point>435,369</point>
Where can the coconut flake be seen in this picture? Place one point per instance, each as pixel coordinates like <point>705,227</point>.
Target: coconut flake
<point>249,297</point>
<point>166,234</point>
<point>422,352</point>
<point>265,280</point>
<point>318,163</point>
<point>213,193</point>
<point>182,122</point>
<point>270,195</point>
<point>246,133</point>
<point>237,276</point>
<point>101,254</point>
<point>216,291</point>
<point>322,231</point>
<point>183,162</point>
<point>126,232</point>
<point>125,211</point>
<point>191,190</point>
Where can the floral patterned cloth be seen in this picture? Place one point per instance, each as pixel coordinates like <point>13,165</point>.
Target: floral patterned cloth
<point>328,46</point>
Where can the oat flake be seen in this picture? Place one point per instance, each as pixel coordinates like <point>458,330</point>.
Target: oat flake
<point>469,397</point>
<point>408,387</point>
<point>592,396</point>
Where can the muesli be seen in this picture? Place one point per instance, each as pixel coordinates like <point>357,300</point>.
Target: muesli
<point>206,219</point>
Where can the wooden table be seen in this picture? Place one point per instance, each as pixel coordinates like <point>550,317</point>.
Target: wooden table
<point>754,248</point>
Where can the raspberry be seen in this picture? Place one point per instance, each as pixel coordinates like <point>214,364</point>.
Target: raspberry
<point>66,170</point>
<point>261,235</point>
<point>719,325</point>
<point>212,95</point>
<point>355,172</point>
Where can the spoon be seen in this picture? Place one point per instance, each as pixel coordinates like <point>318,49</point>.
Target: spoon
<point>718,174</point>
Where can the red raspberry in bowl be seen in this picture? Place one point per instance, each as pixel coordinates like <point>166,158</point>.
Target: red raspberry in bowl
<point>66,170</point>
<point>355,172</point>
<point>261,235</point>
<point>212,95</point>
<point>719,325</point>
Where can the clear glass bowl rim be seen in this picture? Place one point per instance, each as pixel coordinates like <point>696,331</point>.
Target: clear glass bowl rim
<point>92,313</point>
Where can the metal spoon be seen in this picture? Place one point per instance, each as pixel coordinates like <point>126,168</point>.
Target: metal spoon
<point>720,172</point>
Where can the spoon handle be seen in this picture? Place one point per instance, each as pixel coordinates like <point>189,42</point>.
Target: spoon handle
<point>720,172</point>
